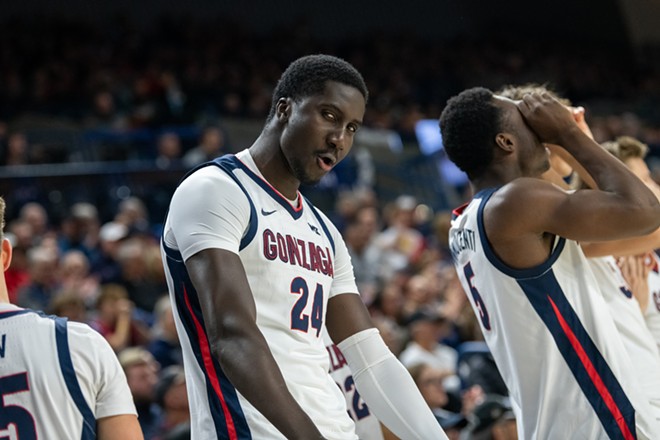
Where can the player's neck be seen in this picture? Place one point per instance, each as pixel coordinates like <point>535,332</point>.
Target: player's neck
<point>270,160</point>
<point>495,177</point>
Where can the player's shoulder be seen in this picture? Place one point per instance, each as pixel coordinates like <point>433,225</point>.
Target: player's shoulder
<point>83,332</point>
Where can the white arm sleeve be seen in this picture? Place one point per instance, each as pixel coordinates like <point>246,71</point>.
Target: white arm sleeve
<point>388,389</point>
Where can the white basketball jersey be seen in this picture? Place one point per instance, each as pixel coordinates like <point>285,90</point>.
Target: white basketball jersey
<point>652,313</point>
<point>294,258</point>
<point>56,378</point>
<point>367,425</point>
<point>631,325</point>
<point>552,338</point>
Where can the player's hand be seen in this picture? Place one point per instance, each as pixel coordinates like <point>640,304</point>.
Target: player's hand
<point>578,116</point>
<point>547,117</point>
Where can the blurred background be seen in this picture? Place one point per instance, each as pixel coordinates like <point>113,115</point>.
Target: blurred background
<point>104,106</point>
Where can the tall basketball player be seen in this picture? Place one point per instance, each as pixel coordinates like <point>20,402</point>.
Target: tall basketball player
<point>255,272</point>
<point>515,246</point>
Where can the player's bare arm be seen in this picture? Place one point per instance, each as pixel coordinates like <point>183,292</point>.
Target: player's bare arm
<point>346,316</point>
<point>123,426</point>
<point>554,124</point>
<point>238,344</point>
<point>624,207</point>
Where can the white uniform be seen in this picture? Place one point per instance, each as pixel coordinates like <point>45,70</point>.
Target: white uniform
<point>56,378</point>
<point>652,312</point>
<point>367,425</point>
<point>294,258</point>
<point>631,325</point>
<point>552,338</point>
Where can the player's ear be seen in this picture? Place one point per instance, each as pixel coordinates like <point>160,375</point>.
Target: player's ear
<point>6,254</point>
<point>283,109</point>
<point>505,142</point>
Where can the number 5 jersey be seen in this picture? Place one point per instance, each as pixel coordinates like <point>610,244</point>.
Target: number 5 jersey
<point>56,378</point>
<point>552,337</point>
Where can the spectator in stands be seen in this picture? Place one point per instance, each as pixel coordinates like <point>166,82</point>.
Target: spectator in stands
<point>428,326</point>
<point>172,397</point>
<point>108,268</point>
<point>69,304</point>
<point>492,419</point>
<point>115,319</point>
<point>104,113</point>
<point>365,256</point>
<point>400,243</point>
<point>212,144</point>
<point>165,345</point>
<point>38,293</point>
<point>144,284</point>
<point>17,151</point>
<point>80,230</point>
<point>168,154</point>
<point>36,215</point>
<point>74,274</point>
<point>142,371</point>
<point>446,406</point>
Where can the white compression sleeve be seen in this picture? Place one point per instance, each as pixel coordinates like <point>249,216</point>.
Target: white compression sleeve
<point>388,389</point>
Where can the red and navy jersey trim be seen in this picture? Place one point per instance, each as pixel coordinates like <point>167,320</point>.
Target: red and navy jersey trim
<point>590,369</point>
<point>226,411</point>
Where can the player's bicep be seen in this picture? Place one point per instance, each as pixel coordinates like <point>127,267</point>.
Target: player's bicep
<point>535,206</point>
<point>223,290</point>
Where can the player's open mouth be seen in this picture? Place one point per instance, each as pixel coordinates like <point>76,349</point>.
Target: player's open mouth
<point>326,161</point>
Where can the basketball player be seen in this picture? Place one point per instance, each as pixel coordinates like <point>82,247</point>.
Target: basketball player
<point>255,272</point>
<point>618,294</point>
<point>58,379</point>
<point>367,426</point>
<point>632,153</point>
<point>515,248</point>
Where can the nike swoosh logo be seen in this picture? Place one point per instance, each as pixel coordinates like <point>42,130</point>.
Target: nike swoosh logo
<point>264,212</point>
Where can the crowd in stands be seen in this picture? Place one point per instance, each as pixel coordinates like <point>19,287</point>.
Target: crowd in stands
<point>182,73</point>
<point>108,271</point>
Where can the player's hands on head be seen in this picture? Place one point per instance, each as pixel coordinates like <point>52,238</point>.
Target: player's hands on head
<point>547,117</point>
<point>578,115</point>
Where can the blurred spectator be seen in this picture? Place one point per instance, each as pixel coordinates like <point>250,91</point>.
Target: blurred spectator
<point>400,243</point>
<point>445,406</point>
<point>142,375</point>
<point>132,212</point>
<point>69,304</point>
<point>493,419</point>
<point>427,327</point>
<point>212,144</point>
<point>107,267</point>
<point>141,272</point>
<point>75,276</point>
<point>17,151</point>
<point>115,321</point>
<point>165,345</point>
<point>38,293</point>
<point>37,217</point>
<point>172,397</point>
<point>104,114</point>
<point>365,256</point>
<point>169,150</point>
<point>80,230</point>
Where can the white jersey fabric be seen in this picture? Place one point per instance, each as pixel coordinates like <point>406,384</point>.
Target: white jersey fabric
<point>56,377</point>
<point>367,425</point>
<point>652,312</point>
<point>294,258</point>
<point>631,325</point>
<point>552,337</point>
